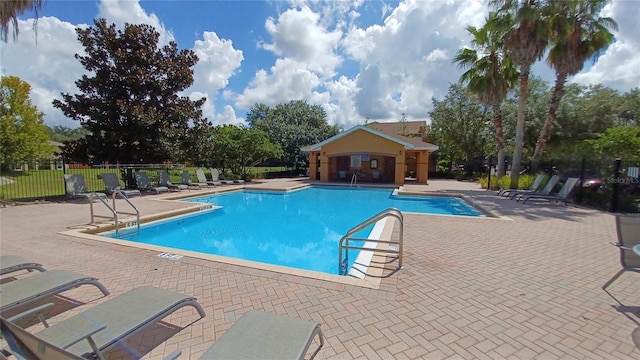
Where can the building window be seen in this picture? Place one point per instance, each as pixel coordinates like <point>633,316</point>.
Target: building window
<point>374,164</point>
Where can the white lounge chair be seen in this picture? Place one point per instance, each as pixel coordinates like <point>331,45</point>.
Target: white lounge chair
<point>12,263</point>
<point>215,176</point>
<point>163,180</point>
<point>202,178</point>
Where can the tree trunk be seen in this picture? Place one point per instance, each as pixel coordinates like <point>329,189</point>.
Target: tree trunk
<point>545,132</point>
<point>522,105</point>
<point>497,123</point>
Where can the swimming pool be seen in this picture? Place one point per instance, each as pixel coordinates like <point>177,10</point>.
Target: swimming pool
<point>299,229</point>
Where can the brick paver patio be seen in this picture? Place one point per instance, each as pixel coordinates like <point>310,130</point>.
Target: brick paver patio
<point>523,286</point>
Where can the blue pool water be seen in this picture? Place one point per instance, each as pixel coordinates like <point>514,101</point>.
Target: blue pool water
<point>298,229</point>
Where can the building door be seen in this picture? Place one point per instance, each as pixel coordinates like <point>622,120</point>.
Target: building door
<point>389,169</point>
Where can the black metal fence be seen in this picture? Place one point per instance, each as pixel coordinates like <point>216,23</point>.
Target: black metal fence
<point>606,184</point>
<point>44,179</point>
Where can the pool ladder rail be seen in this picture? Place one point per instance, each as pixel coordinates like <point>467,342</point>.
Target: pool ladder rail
<point>394,248</point>
<point>353,180</point>
<point>114,212</point>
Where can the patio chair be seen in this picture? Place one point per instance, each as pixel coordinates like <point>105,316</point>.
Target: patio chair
<point>202,178</point>
<point>95,331</point>
<point>535,186</point>
<point>546,190</point>
<point>628,229</point>
<point>12,263</point>
<point>186,180</point>
<point>111,184</point>
<point>263,335</point>
<point>26,290</point>
<point>144,184</point>
<point>163,180</point>
<point>215,176</point>
<point>562,195</point>
<point>77,188</point>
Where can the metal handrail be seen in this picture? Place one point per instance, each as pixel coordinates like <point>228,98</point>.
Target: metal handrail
<point>137,212</point>
<point>113,209</point>
<point>353,180</point>
<point>344,241</point>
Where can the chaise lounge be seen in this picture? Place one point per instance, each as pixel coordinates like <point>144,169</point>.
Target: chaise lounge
<point>163,180</point>
<point>112,184</point>
<point>26,290</point>
<point>77,188</point>
<point>12,263</point>
<point>144,184</point>
<point>95,331</point>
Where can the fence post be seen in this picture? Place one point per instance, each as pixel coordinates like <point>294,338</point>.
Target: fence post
<point>614,193</point>
<point>489,176</point>
<point>581,187</point>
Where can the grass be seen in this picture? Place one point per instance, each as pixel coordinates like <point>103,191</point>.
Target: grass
<point>504,182</point>
<point>43,184</point>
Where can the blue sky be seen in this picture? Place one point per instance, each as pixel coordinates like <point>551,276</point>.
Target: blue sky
<point>358,59</point>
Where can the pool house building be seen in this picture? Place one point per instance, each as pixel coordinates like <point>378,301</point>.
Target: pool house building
<point>373,153</point>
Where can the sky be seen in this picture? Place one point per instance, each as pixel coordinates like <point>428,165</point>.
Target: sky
<point>360,60</point>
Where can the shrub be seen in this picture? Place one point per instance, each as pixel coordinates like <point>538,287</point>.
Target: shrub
<point>505,182</point>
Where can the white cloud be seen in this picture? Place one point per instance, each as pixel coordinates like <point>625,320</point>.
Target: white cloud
<point>618,66</point>
<point>287,80</point>
<point>217,62</point>
<point>120,12</point>
<point>298,34</point>
<point>48,66</point>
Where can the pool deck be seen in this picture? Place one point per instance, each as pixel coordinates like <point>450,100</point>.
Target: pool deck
<point>522,285</point>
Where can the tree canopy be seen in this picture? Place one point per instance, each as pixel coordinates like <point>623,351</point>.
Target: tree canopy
<point>129,103</point>
<point>24,135</point>
<point>460,126</point>
<point>238,148</point>
<point>291,126</point>
<point>9,12</point>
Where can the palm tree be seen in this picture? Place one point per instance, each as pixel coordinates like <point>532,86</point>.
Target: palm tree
<point>9,12</point>
<point>525,44</point>
<point>577,34</point>
<point>490,72</point>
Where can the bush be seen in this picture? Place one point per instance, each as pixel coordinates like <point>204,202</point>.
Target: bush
<point>505,182</point>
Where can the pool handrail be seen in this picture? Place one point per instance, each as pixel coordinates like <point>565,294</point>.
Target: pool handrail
<point>344,241</point>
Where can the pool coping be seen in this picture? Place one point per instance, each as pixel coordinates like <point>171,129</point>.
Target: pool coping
<point>373,275</point>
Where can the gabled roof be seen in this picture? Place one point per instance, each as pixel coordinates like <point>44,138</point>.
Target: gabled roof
<point>402,127</point>
<point>408,143</point>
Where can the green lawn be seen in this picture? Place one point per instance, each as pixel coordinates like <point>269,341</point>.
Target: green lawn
<point>41,184</point>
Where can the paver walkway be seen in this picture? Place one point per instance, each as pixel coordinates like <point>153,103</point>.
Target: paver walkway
<point>524,286</point>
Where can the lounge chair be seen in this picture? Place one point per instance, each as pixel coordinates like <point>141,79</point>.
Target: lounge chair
<point>562,195</point>
<point>628,229</point>
<point>144,184</point>
<point>163,180</point>
<point>96,330</point>
<point>12,263</point>
<point>111,184</point>
<point>202,178</point>
<point>186,180</point>
<point>77,188</point>
<point>23,291</point>
<point>535,186</point>
<point>263,335</point>
<point>546,190</point>
<point>215,176</point>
